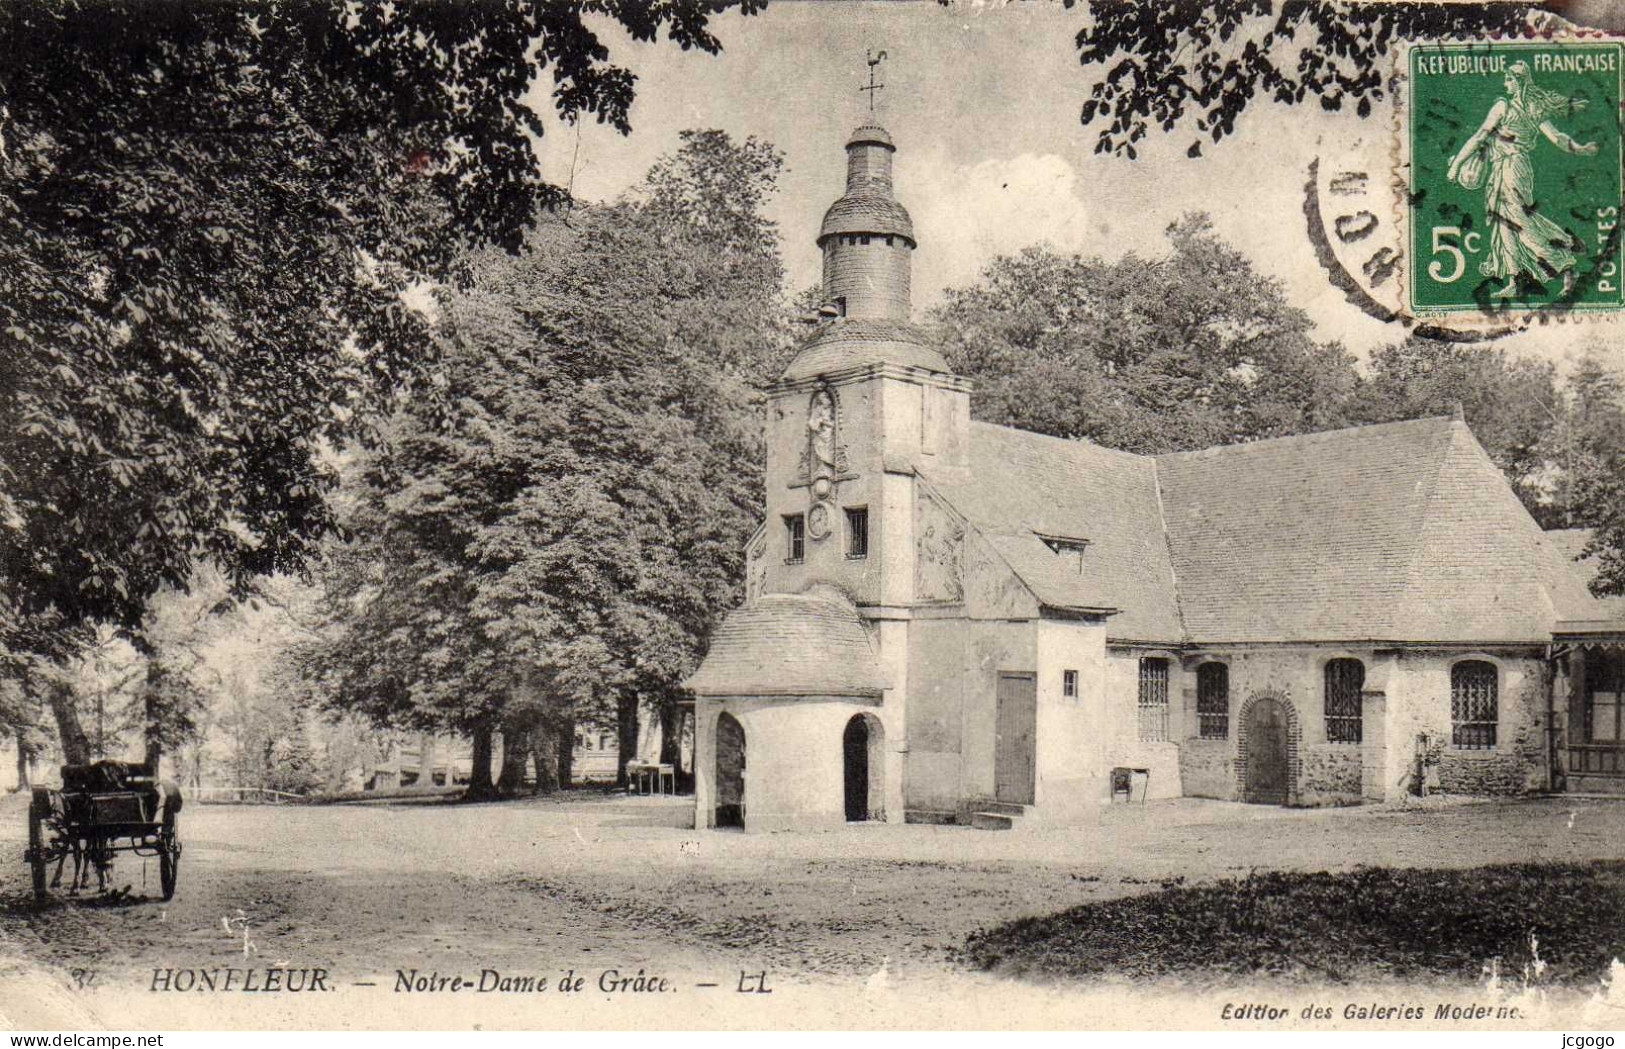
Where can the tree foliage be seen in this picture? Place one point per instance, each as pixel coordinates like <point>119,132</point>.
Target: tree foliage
<point>211,213</point>
<point>1144,354</point>
<point>558,527</point>
<point>210,216</point>
<point>1589,442</point>
<point>1201,64</point>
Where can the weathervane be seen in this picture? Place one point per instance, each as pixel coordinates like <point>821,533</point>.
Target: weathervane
<point>873,60</point>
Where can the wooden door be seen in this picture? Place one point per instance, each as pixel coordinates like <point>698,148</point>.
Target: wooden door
<point>1267,771</point>
<point>1015,744</point>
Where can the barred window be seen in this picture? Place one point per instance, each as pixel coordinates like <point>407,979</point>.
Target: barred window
<point>1069,683</point>
<point>857,531</point>
<point>1153,700</point>
<point>1474,705</point>
<point>1213,701</point>
<point>1345,679</point>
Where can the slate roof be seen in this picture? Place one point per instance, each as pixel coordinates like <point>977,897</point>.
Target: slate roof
<point>790,645</point>
<point>867,213</point>
<point>1025,485</point>
<point>1569,544</point>
<point>1399,532</point>
<point>849,341</point>
<point>1404,531</point>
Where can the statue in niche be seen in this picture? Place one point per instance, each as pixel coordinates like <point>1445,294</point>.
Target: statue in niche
<point>821,432</point>
<point>823,457</point>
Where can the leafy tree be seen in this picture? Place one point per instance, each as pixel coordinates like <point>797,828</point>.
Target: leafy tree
<point>551,536</point>
<point>1589,447</point>
<point>211,214</point>
<point>1199,65</point>
<point>1147,355</point>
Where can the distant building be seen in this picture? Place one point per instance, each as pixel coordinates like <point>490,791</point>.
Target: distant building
<point>954,621</point>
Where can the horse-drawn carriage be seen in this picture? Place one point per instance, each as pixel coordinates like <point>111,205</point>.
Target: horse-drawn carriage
<point>103,809</point>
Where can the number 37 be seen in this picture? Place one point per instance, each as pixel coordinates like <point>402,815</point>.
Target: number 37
<point>1458,261</point>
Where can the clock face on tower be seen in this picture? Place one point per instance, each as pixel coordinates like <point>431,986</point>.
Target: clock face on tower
<point>818,520</point>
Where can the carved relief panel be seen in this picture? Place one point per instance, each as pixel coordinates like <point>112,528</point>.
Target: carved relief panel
<point>939,553</point>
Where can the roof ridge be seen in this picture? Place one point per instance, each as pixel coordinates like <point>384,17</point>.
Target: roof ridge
<point>1167,543</point>
<point>1317,436</point>
<point>1069,441</point>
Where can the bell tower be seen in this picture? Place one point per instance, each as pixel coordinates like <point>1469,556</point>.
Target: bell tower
<point>867,237</point>
<point>867,406</point>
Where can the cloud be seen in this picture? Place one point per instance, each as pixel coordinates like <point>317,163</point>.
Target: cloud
<point>967,214</point>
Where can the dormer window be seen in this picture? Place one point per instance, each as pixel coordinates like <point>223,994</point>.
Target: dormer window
<point>1069,550</point>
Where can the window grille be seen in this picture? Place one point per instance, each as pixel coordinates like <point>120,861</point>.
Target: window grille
<point>795,528</point>
<point>1345,680</point>
<point>857,532</point>
<point>1069,682</point>
<point>1213,701</point>
<point>1153,700</point>
<point>1474,705</point>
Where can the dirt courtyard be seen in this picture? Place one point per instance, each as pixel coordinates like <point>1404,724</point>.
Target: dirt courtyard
<point>593,882</point>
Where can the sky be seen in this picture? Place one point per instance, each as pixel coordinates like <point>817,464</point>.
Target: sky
<point>983,101</point>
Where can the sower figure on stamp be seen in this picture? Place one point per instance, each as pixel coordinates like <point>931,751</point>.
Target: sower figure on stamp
<point>1522,240</point>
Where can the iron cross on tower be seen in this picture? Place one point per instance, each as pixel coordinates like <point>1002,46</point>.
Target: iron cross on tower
<point>873,60</point>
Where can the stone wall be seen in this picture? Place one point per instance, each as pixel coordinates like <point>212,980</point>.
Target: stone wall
<point>1207,768</point>
<point>1330,774</point>
<point>1122,719</point>
<point>1517,762</point>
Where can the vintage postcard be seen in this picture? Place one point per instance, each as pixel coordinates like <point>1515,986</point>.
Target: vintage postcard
<point>1092,515</point>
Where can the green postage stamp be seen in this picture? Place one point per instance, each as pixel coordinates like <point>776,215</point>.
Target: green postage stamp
<point>1513,180</point>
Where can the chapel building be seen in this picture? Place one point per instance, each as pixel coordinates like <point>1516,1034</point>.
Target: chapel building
<point>951,621</point>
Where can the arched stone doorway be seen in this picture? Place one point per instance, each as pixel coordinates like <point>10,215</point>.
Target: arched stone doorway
<point>863,757</point>
<point>1269,750</point>
<point>730,771</point>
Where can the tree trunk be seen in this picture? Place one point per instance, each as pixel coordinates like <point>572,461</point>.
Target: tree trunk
<point>479,779</point>
<point>21,733</point>
<point>150,716</point>
<point>75,744</point>
<point>626,725</point>
<point>515,754</point>
<point>565,753</point>
<point>428,750</point>
<point>544,748</point>
<point>671,743</point>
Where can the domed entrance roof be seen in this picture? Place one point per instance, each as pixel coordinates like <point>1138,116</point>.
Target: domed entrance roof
<point>790,645</point>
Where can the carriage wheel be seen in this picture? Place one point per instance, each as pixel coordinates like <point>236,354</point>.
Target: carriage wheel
<point>37,812</point>
<point>169,858</point>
